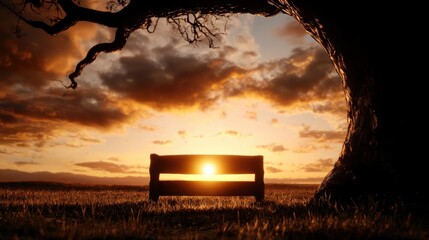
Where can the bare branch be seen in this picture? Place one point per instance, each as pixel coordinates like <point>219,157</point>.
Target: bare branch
<point>118,43</point>
<point>196,26</point>
<point>195,20</point>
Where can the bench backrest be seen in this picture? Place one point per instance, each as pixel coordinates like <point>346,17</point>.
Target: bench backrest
<point>193,164</point>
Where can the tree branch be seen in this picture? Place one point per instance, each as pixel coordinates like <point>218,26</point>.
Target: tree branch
<point>192,18</point>
<point>118,43</point>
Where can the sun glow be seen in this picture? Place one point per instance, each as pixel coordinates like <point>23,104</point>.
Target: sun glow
<point>209,169</point>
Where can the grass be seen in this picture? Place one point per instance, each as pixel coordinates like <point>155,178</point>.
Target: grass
<point>58,211</point>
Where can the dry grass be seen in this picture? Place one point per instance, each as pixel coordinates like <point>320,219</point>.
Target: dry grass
<point>39,211</point>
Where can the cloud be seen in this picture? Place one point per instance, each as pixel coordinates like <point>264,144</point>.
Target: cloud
<point>273,147</point>
<point>304,79</point>
<point>89,139</point>
<point>33,110</point>
<point>24,163</point>
<point>322,136</point>
<point>335,106</point>
<point>147,128</point>
<point>291,31</point>
<point>181,133</point>
<point>223,114</point>
<point>36,58</point>
<point>321,165</point>
<point>162,142</point>
<point>251,115</point>
<point>114,159</point>
<point>274,121</point>
<point>233,133</point>
<point>33,116</point>
<point>107,167</point>
<point>165,78</point>
<point>311,147</point>
<point>273,170</point>
<point>34,106</point>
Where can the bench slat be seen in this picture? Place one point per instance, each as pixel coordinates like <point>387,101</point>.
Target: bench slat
<point>207,188</point>
<point>193,164</point>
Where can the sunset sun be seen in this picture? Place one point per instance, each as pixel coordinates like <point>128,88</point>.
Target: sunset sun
<point>209,169</point>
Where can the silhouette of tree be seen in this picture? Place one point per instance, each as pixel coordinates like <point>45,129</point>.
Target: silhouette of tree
<point>380,153</point>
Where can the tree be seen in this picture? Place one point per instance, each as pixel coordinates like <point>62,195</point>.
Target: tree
<point>380,153</point>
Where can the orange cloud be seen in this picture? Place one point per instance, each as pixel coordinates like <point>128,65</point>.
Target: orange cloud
<point>147,128</point>
<point>273,147</point>
<point>162,142</point>
<point>181,133</point>
<point>321,165</point>
<point>274,121</point>
<point>233,133</point>
<point>36,58</point>
<point>107,167</point>
<point>251,115</point>
<point>273,170</point>
<point>292,31</point>
<point>322,136</point>
<point>88,139</point>
<point>23,163</point>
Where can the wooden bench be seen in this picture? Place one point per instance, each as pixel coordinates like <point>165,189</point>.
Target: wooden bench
<point>193,164</point>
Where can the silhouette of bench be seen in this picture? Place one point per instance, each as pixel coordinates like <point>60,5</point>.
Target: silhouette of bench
<point>193,164</point>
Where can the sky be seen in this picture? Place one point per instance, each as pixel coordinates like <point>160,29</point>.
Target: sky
<point>266,89</point>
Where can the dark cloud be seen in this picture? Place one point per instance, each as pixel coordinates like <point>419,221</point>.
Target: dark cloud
<point>335,106</point>
<point>36,58</point>
<point>165,78</point>
<point>162,142</point>
<point>107,167</point>
<point>273,147</point>
<point>29,115</point>
<point>24,163</point>
<point>304,78</point>
<point>26,133</point>
<point>273,170</point>
<point>34,106</point>
<point>321,165</point>
<point>292,31</point>
<point>322,136</point>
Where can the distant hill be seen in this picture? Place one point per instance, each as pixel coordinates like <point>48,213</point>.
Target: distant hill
<point>9,175</point>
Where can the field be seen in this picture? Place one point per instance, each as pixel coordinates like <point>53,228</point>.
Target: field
<point>49,210</point>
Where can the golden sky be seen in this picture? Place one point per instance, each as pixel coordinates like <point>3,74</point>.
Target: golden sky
<point>267,89</point>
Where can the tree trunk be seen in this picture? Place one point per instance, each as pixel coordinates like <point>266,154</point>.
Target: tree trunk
<point>380,153</point>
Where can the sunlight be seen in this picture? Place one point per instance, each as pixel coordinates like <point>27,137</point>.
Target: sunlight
<point>209,169</point>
